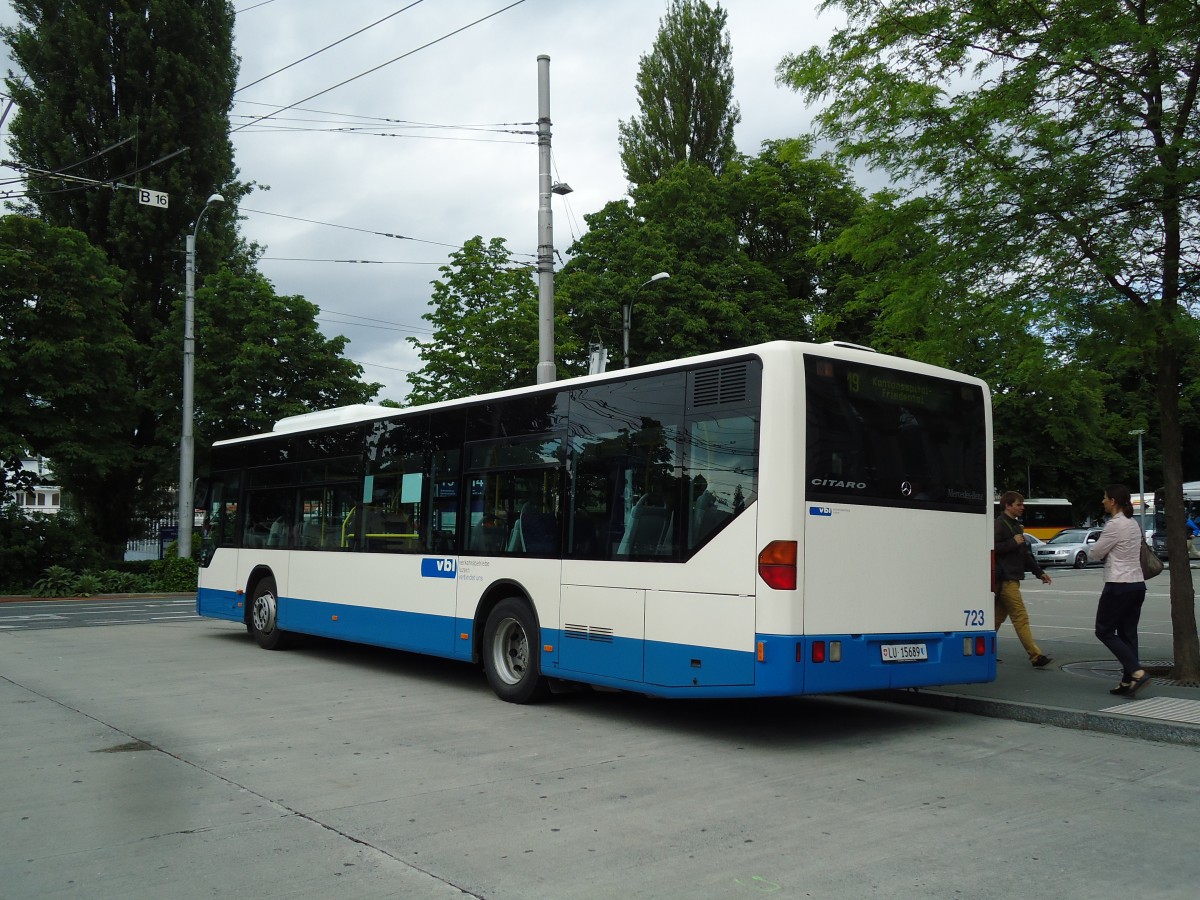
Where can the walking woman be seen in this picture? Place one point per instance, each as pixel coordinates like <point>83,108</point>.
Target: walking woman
<point>1120,607</point>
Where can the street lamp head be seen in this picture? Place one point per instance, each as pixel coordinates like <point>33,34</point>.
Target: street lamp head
<point>658,277</point>
<point>215,198</point>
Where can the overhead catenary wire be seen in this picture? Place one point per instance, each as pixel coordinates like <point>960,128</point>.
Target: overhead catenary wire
<point>515,258</point>
<point>389,62</point>
<point>329,46</point>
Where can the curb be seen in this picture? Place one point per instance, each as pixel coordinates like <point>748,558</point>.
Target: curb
<point>1106,723</point>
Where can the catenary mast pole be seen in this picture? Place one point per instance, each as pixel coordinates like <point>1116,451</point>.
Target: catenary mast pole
<point>545,255</point>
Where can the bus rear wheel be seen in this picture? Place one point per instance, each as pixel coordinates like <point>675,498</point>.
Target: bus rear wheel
<point>511,642</point>
<point>264,616</point>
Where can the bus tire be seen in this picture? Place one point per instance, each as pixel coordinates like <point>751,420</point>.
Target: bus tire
<point>263,620</point>
<point>511,644</point>
<point>1080,559</point>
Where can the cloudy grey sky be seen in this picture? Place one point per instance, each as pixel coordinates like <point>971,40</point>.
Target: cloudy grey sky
<point>353,156</point>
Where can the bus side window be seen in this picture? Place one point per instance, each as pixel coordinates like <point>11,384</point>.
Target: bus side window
<point>268,517</point>
<point>722,454</point>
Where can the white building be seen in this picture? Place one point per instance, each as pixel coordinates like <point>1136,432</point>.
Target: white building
<point>46,497</point>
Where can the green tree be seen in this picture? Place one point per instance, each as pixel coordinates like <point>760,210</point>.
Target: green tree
<point>904,287</point>
<point>127,92</point>
<point>261,356</point>
<point>717,297</point>
<point>124,92</point>
<point>484,312</point>
<point>1062,146</point>
<point>790,208</point>
<point>65,385</point>
<point>685,96</point>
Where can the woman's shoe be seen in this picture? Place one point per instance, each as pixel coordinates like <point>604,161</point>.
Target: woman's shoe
<point>1122,689</point>
<point>1138,683</point>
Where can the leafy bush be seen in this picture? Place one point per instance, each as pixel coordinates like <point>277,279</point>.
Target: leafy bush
<point>115,582</point>
<point>31,544</point>
<point>173,574</point>
<point>86,585</point>
<point>56,581</point>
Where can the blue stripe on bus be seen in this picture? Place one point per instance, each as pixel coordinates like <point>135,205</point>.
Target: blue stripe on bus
<point>651,667</point>
<point>399,630</point>
<point>220,604</point>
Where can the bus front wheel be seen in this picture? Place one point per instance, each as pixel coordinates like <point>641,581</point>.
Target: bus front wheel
<point>264,616</point>
<point>511,641</point>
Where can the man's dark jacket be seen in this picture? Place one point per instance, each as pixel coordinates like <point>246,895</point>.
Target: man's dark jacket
<point>1013,559</point>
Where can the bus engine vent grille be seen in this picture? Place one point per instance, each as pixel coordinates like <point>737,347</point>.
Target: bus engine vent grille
<point>723,384</point>
<point>588,633</point>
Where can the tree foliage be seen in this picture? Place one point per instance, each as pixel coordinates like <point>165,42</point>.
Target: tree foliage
<point>717,296</point>
<point>109,91</point>
<point>789,206</point>
<point>484,312</point>
<point>685,96</point>
<point>66,390</point>
<point>261,356</point>
<point>1060,146</point>
<point>123,93</point>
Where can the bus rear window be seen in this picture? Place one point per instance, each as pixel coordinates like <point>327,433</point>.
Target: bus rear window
<point>883,437</point>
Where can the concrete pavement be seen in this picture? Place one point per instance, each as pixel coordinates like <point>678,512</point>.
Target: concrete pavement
<point>1072,692</point>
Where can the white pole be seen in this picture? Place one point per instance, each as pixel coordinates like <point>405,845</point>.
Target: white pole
<point>545,257</point>
<point>186,440</point>
<point>1141,481</point>
<point>186,448</point>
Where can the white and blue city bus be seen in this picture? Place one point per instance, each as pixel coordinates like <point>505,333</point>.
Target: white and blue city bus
<point>780,520</point>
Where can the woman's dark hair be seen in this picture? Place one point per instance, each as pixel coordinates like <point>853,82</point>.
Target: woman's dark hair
<point>1119,494</point>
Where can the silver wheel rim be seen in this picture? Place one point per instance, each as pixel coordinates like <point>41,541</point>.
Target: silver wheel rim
<point>263,613</point>
<point>510,651</point>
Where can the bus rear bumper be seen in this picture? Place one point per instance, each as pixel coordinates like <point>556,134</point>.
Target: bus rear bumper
<point>838,663</point>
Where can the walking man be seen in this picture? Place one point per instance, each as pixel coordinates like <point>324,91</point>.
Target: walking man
<point>1013,558</point>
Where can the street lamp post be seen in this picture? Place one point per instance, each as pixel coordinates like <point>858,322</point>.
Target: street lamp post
<point>1141,479</point>
<point>627,310</point>
<point>186,440</point>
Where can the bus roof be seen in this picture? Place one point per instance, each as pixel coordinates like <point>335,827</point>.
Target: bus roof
<point>366,412</point>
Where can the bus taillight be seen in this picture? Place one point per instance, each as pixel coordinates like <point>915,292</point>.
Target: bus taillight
<point>777,565</point>
<point>980,645</point>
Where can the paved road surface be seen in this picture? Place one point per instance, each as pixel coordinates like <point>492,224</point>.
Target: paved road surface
<point>24,616</point>
<point>176,759</point>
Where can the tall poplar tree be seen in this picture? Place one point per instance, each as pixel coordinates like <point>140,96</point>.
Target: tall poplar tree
<point>137,93</point>
<point>1059,147</point>
<point>128,93</point>
<point>685,94</point>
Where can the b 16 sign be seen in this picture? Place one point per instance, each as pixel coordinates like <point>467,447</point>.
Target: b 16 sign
<point>152,198</point>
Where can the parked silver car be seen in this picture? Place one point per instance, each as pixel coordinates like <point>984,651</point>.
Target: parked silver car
<point>1067,548</point>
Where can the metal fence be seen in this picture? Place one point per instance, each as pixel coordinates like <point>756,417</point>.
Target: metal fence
<point>153,535</point>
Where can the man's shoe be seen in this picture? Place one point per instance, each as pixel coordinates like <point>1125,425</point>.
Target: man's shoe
<point>1042,661</point>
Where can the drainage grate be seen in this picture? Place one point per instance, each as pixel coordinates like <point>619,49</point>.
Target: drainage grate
<point>1168,708</point>
<point>1110,669</point>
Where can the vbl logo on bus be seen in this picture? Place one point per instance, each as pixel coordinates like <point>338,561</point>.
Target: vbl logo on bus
<point>438,568</point>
